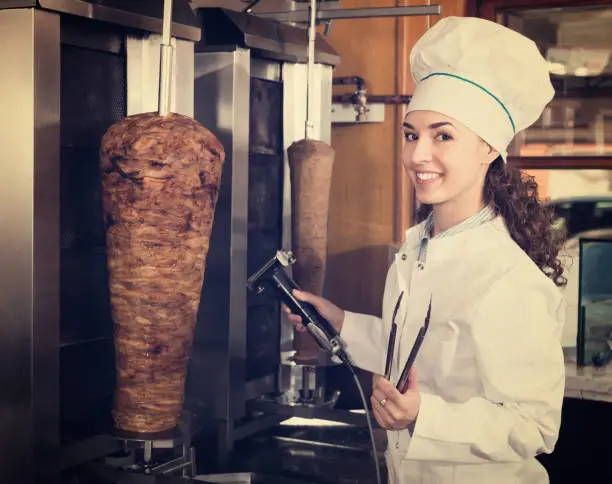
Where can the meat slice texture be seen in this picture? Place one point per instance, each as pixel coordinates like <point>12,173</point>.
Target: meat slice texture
<point>160,183</point>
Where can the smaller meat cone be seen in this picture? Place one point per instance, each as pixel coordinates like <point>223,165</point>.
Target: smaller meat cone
<point>311,165</point>
<point>160,180</point>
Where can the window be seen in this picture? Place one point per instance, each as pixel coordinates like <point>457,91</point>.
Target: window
<point>575,129</point>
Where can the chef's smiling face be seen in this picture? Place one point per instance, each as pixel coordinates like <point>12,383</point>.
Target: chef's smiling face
<point>446,161</point>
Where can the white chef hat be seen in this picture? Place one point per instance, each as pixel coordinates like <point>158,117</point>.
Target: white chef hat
<point>486,76</point>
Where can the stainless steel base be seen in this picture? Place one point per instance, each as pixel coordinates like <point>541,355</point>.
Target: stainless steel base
<point>302,382</point>
<point>160,453</point>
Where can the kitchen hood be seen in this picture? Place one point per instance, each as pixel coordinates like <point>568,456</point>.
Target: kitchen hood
<point>274,39</point>
<point>145,15</point>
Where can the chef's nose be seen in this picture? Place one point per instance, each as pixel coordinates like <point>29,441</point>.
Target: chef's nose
<point>421,151</point>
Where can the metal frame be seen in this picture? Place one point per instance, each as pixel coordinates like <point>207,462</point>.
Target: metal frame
<point>29,253</point>
<point>301,16</point>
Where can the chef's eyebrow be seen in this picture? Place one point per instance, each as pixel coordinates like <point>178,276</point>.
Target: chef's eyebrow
<point>431,126</point>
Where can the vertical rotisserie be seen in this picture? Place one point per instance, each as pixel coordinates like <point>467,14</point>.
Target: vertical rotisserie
<point>311,165</point>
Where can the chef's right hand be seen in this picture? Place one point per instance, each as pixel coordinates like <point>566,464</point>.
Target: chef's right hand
<point>326,308</point>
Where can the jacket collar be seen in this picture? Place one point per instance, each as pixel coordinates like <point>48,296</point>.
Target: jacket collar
<point>486,214</point>
<point>472,237</point>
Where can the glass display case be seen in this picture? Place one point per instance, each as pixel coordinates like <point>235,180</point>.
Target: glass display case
<point>594,341</point>
<point>575,37</point>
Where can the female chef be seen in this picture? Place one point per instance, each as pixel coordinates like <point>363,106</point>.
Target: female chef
<point>488,382</point>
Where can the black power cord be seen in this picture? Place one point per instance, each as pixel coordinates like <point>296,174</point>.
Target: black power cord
<point>344,358</point>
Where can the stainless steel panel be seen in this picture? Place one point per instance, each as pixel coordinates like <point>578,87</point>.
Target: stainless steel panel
<point>325,88</point>
<point>217,369</point>
<point>264,69</point>
<point>29,244</point>
<point>46,233</point>
<point>239,229</point>
<point>143,66</point>
<point>183,72</point>
<point>139,14</point>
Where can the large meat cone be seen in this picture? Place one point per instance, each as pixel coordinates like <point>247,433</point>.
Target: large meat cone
<point>310,163</point>
<point>160,180</point>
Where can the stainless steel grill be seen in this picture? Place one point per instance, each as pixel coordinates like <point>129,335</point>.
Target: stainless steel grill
<point>70,70</point>
<point>64,82</point>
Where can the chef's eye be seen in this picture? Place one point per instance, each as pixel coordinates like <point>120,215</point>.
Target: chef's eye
<point>443,137</point>
<point>410,136</point>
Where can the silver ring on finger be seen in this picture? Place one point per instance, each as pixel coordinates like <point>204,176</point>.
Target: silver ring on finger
<point>383,402</point>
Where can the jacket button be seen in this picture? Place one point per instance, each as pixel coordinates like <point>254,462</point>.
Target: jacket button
<point>421,266</point>
<point>404,256</point>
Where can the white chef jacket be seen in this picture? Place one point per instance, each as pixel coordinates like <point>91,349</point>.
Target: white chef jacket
<point>490,369</point>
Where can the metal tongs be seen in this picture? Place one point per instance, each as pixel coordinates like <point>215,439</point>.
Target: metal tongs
<point>402,383</point>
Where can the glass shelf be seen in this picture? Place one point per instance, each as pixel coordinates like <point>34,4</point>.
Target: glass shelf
<point>577,43</point>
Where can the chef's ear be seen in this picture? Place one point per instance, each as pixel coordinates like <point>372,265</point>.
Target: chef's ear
<point>493,155</point>
<point>489,154</point>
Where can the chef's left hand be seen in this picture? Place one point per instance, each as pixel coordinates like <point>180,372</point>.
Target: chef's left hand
<point>398,411</point>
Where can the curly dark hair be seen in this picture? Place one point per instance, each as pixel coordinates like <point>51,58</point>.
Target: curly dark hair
<point>513,194</point>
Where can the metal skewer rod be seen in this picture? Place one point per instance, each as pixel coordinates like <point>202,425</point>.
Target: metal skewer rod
<point>165,77</point>
<point>312,35</point>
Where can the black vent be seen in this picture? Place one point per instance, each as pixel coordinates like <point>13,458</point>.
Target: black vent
<point>93,95</point>
<point>264,221</point>
<point>93,98</point>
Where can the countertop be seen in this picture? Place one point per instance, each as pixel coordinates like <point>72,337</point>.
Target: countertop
<point>307,450</point>
<point>587,382</point>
